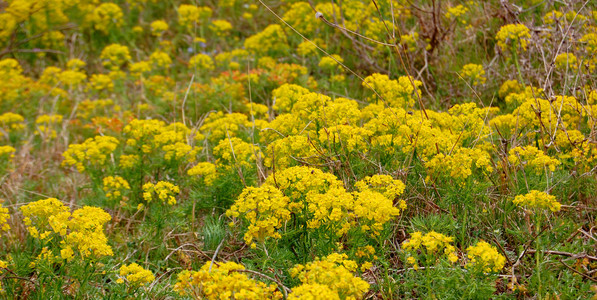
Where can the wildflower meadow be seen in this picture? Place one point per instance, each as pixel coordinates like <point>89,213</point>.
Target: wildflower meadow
<point>263,149</point>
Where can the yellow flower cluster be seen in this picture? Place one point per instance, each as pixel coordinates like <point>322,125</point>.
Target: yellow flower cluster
<point>460,164</point>
<point>164,191</point>
<point>87,233</point>
<point>271,40</point>
<point>335,272</point>
<point>219,126</point>
<point>116,188</point>
<point>114,56</point>
<point>46,125</point>
<point>135,275</point>
<point>532,158</point>
<point>236,152</point>
<point>10,122</point>
<point>312,291</point>
<point>474,74</point>
<point>537,199</point>
<point>149,136</point>
<point>4,216</point>
<point>220,27</point>
<point>43,217</point>
<point>106,17</point>
<point>566,61</point>
<point>319,200</point>
<point>265,208</point>
<point>190,15</point>
<point>158,27</point>
<point>202,62</point>
<point>373,210</point>
<point>385,184</point>
<point>433,243</point>
<point>456,13</point>
<point>220,280</point>
<point>100,83</point>
<point>330,63</point>
<point>485,257</point>
<point>81,231</point>
<point>399,94</point>
<point>513,36</point>
<point>93,153</point>
<point>205,169</point>
<point>160,59</point>
<point>8,152</point>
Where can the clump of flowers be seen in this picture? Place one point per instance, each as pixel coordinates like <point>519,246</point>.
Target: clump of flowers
<point>114,56</point>
<point>116,188</point>
<point>135,275</point>
<point>513,36</point>
<point>456,13</point>
<point>400,94</point>
<point>46,125</point>
<point>236,152</point>
<point>265,208</point>
<point>313,291</point>
<point>330,63</point>
<point>538,199</point>
<point>158,27</point>
<point>190,15</point>
<point>431,244</point>
<point>92,153</point>
<point>78,233</point>
<point>201,62</point>
<point>87,233</point>
<point>485,257</point>
<point>219,280</point>
<point>566,61</point>
<point>45,217</point>
<point>460,164</point>
<point>4,216</point>
<point>11,122</point>
<point>163,191</point>
<point>385,184</point>
<point>532,158</point>
<point>106,17</point>
<point>205,169</point>
<point>336,272</point>
<point>7,153</point>
<point>474,74</point>
<point>269,41</point>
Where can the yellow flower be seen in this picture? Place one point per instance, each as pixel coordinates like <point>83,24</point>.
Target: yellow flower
<point>220,27</point>
<point>106,17</point>
<point>205,169</point>
<point>158,27</point>
<point>533,159</point>
<point>474,74</point>
<point>331,63</point>
<point>265,208</point>
<point>136,275</point>
<point>486,257</point>
<point>513,36</point>
<point>93,152</point>
<point>335,272</point>
<point>164,191</point>
<point>114,56</point>
<point>269,41</point>
<point>222,280</point>
<point>115,188</point>
<point>202,62</point>
<point>537,199</point>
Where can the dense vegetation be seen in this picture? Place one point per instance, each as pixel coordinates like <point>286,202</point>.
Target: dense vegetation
<point>233,149</point>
